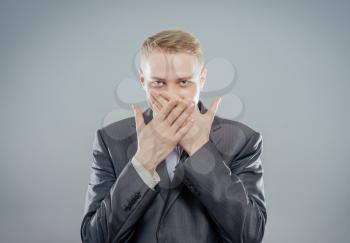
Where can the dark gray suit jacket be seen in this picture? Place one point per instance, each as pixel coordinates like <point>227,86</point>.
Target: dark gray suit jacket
<point>217,194</point>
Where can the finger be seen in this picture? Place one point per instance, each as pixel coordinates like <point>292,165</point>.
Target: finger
<point>139,121</point>
<point>162,100</point>
<point>166,95</point>
<point>155,105</point>
<point>184,129</point>
<point>157,108</point>
<point>164,112</point>
<point>175,113</point>
<point>214,106</point>
<point>157,101</point>
<point>182,118</point>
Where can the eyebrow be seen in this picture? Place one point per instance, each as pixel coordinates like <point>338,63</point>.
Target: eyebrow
<point>162,79</point>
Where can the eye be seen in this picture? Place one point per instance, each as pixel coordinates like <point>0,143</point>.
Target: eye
<point>157,83</point>
<point>185,82</point>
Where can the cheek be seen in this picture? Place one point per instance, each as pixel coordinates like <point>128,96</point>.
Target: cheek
<point>190,92</point>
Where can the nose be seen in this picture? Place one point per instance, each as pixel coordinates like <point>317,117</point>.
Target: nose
<point>175,94</point>
<point>174,91</point>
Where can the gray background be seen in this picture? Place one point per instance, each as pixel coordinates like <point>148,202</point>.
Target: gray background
<point>60,64</point>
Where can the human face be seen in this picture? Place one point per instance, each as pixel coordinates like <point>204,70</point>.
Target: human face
<point>176,73</point>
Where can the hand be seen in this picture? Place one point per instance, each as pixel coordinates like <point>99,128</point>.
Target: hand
<point>160,136</point>
<point>198,135</point>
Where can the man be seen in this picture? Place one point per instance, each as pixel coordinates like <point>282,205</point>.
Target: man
<point>178,172</point>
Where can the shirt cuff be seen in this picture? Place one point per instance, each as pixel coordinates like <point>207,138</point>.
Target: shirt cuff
<point>148,179</point>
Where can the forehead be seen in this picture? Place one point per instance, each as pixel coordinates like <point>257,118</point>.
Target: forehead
<point>168,65</point>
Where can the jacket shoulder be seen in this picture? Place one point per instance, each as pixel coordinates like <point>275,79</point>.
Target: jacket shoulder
<point>237,127</point>
<point>119,130</point>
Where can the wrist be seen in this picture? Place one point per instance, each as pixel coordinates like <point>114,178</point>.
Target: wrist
<point>148,164</point>
<point>197,145</point>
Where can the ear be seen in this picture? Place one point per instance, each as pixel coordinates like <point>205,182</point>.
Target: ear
<point>203,77</point>
<point>141,78</point>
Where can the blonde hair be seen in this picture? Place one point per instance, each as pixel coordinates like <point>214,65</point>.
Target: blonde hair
<point>172,41</point>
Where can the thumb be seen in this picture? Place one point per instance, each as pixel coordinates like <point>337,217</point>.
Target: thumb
<point>214,106</point>
<point>140,123</point>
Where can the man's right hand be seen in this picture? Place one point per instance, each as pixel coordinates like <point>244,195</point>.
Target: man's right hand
<point>160,136</point>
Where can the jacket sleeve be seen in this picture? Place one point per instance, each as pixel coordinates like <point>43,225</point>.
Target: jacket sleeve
<point>150,180</point>
<point>114,200</point>
<point>233,196</point>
